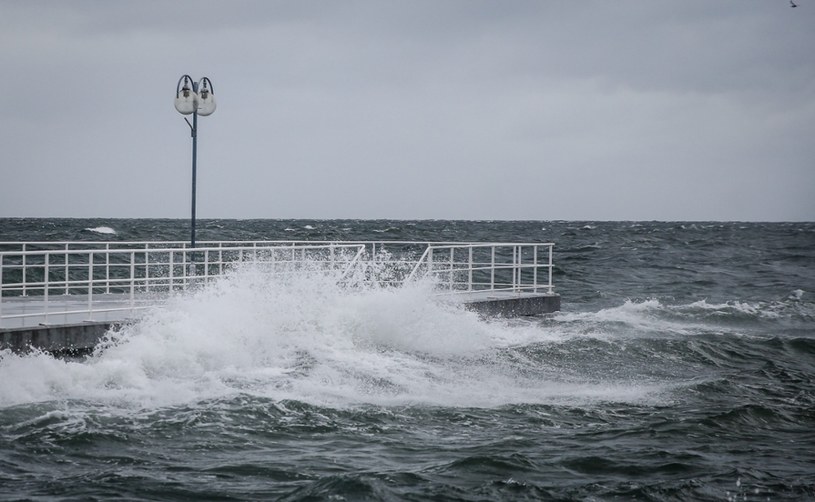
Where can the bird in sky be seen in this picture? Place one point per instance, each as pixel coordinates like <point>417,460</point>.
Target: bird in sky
<point>793,4</point>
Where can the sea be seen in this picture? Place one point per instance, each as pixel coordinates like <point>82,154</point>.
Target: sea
<point>681,367</point>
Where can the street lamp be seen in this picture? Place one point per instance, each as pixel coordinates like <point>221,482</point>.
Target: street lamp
<point>196,98</point>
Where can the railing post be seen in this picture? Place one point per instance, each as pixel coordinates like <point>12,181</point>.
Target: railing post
<point>107,267</point>
<point>25,269</point>
<point>45,275</point>
<point>206,266</point>
<point>132,274</point>
<point>184,270</point>
<point>90,285</point>
<point>535,268</point>
<point>146,271</point>
<point>514,266</point>
<point>492,268</point>
<point>172,272</point>
<point>67,275</point>
<point>452,269</point>
<point>520,280</point>
<point>550,268</point>
<point>470,271</point>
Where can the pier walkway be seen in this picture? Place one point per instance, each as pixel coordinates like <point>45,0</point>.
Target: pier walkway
<point>63,296</point>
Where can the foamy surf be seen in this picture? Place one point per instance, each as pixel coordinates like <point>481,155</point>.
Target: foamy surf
<point>655,318</point>
<point>304,337</point>
<point>102,230</point>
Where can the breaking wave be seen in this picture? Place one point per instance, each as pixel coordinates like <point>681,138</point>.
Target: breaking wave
<point>102,230</point>
<point>306,337</point>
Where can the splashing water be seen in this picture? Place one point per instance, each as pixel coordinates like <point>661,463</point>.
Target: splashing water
<point>102,230</point>
<point>305,337</point>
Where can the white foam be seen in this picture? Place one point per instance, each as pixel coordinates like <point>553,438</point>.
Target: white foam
<point>796,295</point>
<point>632,319</point>
<point>102,230</point>
<point>633,313</point>
<point>306,338</point>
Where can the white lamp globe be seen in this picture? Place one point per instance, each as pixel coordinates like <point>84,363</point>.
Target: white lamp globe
<point>206,103</point>
<point>186,101</point>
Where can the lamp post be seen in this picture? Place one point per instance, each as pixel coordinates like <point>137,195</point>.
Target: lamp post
<point>196,98</point>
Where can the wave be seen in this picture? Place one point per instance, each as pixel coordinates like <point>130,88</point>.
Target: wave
<point>102,230</point>
<point>646,317</point>
<point>307,338</point>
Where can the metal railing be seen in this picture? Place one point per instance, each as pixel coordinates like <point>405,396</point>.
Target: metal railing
<point>90,284</point>
<point>467,267</point>
<point>82,281</point>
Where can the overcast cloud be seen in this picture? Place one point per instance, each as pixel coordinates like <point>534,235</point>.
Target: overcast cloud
<point>589,109</point>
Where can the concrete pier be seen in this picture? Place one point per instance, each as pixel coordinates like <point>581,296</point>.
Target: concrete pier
<point>508,304</point>
<point>58,339</point>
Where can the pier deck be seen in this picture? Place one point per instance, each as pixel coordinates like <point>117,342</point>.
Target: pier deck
<point>65,296</point>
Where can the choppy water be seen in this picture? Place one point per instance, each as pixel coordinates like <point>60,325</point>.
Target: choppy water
<point>681,368</point>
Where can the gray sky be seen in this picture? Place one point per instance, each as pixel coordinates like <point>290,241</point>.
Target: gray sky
<point>580,109</point>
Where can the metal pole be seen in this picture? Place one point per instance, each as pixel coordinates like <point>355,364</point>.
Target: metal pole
<point>194,158</point>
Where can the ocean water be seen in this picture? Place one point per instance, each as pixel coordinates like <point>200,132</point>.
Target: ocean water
<point>681,367</point>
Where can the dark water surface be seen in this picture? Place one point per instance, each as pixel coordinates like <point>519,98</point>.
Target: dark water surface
<point>682,367</point>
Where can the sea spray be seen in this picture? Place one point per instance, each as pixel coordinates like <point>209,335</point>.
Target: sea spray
<point>312,337</point>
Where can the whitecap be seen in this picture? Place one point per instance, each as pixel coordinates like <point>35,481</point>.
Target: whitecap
<point>796,295</point>
<point>102,230</point>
